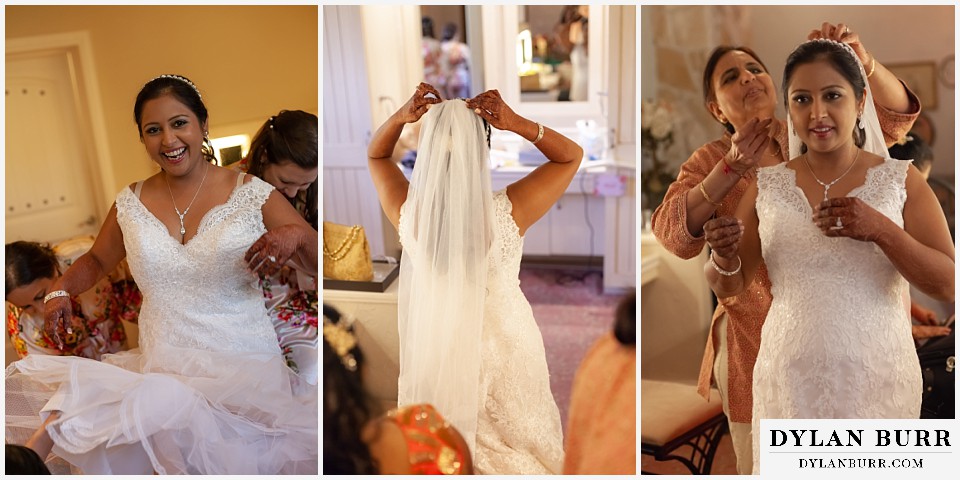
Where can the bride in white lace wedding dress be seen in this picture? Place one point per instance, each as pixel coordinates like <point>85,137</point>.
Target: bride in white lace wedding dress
<point>207,392</point>
<point>836,342</point>
<point>469,343</point>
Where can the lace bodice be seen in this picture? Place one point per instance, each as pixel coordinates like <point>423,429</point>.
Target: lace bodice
<point>836,342</point>
<point>200,295</point>
<point>792,243</point>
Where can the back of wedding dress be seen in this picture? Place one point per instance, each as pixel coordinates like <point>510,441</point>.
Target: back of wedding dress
<point>469,343</point>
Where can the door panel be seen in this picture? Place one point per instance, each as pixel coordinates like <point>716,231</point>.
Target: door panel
<point>49,190</point>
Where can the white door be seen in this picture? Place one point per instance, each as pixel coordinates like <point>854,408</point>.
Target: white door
<point>349,196</point>
<point>50,190</point>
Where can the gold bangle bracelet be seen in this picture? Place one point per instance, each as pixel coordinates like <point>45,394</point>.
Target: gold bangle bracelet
<point>873,65</point>
<point>707,197</point>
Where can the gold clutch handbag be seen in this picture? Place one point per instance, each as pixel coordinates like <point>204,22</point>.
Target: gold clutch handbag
<point>346,253</point>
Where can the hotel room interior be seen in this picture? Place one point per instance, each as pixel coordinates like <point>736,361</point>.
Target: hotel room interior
<point>676,303</point>
<point>580,259</point>
<point>73,73</point>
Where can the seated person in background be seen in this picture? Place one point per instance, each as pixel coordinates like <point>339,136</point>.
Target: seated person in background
<point>358,440</point>
<point>283,153</point>
<point>602,427</point>
<point>31,268</point>
<point>925,322</point>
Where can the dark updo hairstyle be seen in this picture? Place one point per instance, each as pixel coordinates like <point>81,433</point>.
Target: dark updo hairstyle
<point>913,148</point>
<point>28,262</point>
<point>289,136</point>
<point>842,60</point>
<point>625,325</point>
<point>709,94</point>
<point>185,92</point>
<point>449,31</point>
<point>426,27</point>
<point>21,460</point>
<point>347,408</point>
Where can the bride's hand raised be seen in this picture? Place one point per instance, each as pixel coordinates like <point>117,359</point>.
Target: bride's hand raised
<point>491,107</point>
<point>419,103</point>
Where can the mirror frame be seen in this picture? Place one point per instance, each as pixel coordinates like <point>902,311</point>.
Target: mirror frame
<point>500,29</point>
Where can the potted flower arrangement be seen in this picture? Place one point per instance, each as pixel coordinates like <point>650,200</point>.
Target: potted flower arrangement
<point>656,134</point>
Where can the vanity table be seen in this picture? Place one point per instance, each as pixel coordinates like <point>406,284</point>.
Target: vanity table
<point>375,323</point>
<point>376,63</point>
<point>591,219</point>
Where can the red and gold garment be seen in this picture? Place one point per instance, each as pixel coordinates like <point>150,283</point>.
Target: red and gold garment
<point>434,447</point>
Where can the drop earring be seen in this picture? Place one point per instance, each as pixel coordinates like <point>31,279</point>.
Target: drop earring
<point>860,121</point>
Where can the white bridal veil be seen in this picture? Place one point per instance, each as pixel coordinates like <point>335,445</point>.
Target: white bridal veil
<point>446,232</point>
<point>871,123</point>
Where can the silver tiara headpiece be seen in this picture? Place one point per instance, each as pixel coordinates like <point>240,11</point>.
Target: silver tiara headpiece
<point>182,79</point>
<point>846,47</point>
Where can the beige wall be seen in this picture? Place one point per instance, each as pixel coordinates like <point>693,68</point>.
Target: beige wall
<point>896,34</point>
<point>248,61</point>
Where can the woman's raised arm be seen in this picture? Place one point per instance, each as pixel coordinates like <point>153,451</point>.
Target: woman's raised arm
<point>533,195</point>
<point>387,177</point>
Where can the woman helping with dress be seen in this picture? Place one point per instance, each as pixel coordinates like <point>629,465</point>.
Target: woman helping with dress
<point>469,344</point>
<point>283,153</point>
<point>98,313</point>
<point>208,391</point>
<point>839,228</point>
<point>740,94</point>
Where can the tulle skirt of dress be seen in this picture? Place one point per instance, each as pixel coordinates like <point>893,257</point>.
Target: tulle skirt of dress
<point>176,411</point>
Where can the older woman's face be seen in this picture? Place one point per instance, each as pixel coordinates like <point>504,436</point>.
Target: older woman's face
<point>743,90</point>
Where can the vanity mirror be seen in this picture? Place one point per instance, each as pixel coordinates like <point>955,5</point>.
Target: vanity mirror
<point>549,61</point>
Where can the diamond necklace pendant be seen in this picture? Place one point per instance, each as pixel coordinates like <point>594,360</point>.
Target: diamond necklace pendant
<point>183,230</point>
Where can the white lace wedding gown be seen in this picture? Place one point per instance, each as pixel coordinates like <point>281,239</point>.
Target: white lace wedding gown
<point>836,342</point>
<point>207,392</point>
<point>518,425</point>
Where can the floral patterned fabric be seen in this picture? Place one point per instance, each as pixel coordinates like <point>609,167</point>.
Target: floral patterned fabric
<point>100,310</point>
<point>291,299</point>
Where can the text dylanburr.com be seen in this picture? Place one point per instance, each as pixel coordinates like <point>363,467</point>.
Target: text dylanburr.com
<point>853,449</point>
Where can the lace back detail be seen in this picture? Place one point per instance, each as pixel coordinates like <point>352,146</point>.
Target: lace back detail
<point>508,246</point>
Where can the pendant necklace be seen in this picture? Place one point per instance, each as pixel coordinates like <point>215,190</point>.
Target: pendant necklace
<point>183,230</point>
<point>826,186</point>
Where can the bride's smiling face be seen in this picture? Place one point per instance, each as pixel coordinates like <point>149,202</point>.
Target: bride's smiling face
<point>172,134</point>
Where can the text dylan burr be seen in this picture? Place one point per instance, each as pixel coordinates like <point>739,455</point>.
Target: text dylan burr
<point>855,438</point>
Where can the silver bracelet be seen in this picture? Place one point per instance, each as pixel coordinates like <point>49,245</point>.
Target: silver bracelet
<point>539,134</point>
<point>722,271</point>
<point>55,294</point>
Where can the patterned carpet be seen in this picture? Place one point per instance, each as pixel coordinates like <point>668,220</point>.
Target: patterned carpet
<point>572,313</point>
